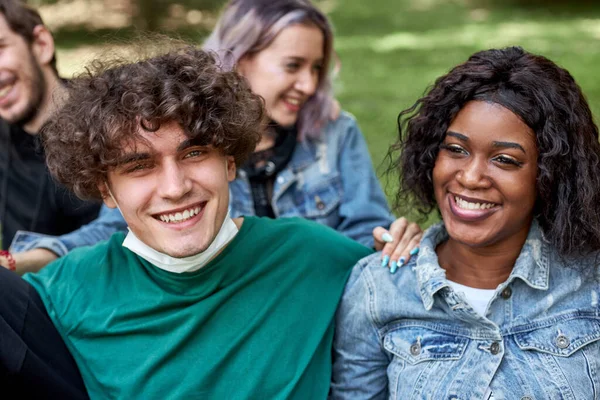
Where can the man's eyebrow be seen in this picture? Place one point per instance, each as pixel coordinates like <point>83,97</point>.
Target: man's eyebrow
<point>133,157</point>
<point>457,135</point>
<point>190,143</point>
<point>509,145</point>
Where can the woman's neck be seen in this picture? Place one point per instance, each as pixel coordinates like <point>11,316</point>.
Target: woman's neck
<point>480,267</point>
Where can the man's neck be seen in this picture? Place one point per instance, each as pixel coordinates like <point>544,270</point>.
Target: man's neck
<point>53,98</point>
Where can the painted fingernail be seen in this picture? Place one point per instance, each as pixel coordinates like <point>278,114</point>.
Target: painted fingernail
<point>414,251</point>
<point>385,261</point>
<point>386,237</point>
<point>401,261</point>
<point>394,267</point>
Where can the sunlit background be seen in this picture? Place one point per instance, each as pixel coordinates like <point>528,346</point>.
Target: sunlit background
<point>390,50</point>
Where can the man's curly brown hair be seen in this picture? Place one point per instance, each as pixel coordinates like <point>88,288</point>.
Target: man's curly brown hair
<point>109,105</point>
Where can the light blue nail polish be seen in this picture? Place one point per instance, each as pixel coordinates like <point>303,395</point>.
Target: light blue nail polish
<point>386,237</point>
<point>385,261</point>
<point>394,267</point>
<point>414,251</point>
<point>401,261</point>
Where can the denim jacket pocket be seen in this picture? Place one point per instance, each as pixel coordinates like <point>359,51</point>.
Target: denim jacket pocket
<point>567,354</point>
<point>420,356</point>
<point>561,339</point>
<point>321,200</point>
<point>415,344</point>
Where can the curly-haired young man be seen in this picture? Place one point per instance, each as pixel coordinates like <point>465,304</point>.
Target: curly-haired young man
<point>29,89</point>
<point>190,303</point>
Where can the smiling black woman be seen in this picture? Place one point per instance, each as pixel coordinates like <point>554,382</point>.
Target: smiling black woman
<point>502,300</point>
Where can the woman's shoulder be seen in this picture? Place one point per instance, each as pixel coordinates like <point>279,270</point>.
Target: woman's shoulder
<point>378,277</point>
<point>344,121</point>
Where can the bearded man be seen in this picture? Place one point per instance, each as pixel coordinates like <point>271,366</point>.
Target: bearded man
<point>30,90</point>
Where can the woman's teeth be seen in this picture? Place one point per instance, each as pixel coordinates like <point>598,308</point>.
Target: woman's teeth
<point>179,217</point>
<point>294,102</point>
<point>466,205</point>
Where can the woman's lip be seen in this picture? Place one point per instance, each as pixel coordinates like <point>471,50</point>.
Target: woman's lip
<point>292,107</point>
<point>472,199</point>
<point>469,215</point>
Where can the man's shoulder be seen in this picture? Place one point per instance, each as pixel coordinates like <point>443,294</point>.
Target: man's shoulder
<point>83,262</point>
<point>307,234</point>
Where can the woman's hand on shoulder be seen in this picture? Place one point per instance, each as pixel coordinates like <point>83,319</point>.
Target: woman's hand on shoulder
<point>398,243</point>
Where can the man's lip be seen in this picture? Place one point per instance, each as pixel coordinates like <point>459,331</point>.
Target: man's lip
<point>7,82</point>
<point>200,204</point>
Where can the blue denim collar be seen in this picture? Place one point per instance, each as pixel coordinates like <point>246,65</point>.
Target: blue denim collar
<point>304,156</point>
<point>532,265</point>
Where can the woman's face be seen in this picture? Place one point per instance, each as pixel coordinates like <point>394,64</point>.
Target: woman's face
<point>484,176</point>
<point>286,73</point>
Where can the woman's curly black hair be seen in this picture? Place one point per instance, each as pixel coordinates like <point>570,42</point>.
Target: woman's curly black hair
<point>549,101</point>
<point>108,105</point>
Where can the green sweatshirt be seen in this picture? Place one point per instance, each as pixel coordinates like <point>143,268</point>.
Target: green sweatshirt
<point>255,323</point>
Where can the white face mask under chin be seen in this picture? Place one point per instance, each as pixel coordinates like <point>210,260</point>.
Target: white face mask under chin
<point>179,265</point>
<point>187,264</point>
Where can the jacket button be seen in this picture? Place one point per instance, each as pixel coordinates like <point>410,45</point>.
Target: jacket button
<point>415,349</point>
<point>495,348</point>
<point>506,293</point>
<point>562,341</point>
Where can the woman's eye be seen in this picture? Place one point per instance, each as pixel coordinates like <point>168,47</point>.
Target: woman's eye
<point>453,148</point>
<point>292,67</point>
<point>502,159</point>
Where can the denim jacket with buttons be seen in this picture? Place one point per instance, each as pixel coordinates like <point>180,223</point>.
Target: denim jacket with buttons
<point>411,336</point>
<point>329,180</point>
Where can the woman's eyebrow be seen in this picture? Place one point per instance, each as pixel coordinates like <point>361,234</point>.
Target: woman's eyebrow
<point>509,145</point>
<point>457,135</point>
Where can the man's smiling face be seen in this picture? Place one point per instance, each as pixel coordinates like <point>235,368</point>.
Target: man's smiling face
<point>22,83</point>
<point>173,193</point>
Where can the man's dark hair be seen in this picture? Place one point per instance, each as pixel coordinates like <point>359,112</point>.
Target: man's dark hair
<point>549,101</point>
<point>22,19</point>
<point>112,102</point>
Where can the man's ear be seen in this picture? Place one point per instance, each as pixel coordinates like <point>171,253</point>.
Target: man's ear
<point>106,197</point>
<point>42,45</point>
<point>231,168</point>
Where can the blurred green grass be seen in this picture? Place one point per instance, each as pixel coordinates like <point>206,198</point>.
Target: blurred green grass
<point>392,50</point>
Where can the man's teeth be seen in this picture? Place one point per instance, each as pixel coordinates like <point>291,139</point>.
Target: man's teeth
<point>472,206</point>
<point>4,91</point>
<point>179,217</point>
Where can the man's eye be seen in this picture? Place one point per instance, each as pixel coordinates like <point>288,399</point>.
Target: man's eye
<point>137,167</point>
<point>193,153</point>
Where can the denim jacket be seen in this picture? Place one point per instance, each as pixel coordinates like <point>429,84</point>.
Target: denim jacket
<point>411,336</point>
<point>330,180</point>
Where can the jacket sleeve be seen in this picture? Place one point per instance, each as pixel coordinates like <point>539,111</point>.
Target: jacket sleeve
<point>363,205</point>
<point>108,222</point>
<point>359,363</point>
